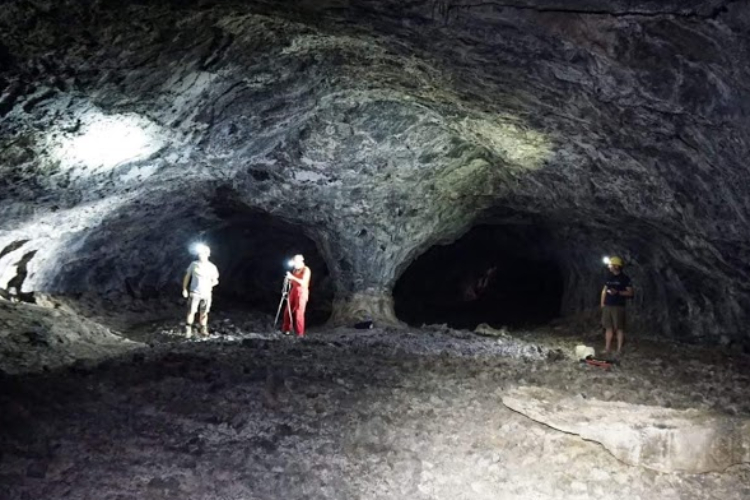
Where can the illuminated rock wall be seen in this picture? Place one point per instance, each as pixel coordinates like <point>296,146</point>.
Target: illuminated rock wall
<point>381,129</point>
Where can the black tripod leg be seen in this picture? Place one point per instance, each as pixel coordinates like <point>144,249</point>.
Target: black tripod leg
<point>278,312</point>
<point>284,294</point>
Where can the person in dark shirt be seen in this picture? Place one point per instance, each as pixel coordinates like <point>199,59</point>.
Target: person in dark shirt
<point>617,289</point>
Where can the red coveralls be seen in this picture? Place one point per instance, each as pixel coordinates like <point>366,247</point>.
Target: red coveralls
<point>298,297</point>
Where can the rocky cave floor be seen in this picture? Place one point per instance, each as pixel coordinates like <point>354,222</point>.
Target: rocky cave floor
<point>348,414</point>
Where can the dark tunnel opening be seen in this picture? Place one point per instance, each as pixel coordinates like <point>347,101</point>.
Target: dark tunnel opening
<point>252,249</point>
<point>503,275</point>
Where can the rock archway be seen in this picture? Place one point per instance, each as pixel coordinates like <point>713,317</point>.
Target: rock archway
<point>383,129</point>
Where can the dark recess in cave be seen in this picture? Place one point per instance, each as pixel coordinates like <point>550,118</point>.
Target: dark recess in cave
<point>502,275</point>
<point>251,250</point>
<point>140,253</point>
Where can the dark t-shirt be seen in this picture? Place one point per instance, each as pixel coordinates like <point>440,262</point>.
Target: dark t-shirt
<point>619,282</point>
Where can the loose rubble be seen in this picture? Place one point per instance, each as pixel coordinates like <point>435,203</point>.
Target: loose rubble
<point>49,336</point>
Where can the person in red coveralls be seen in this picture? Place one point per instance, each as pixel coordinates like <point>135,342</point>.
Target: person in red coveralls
<point>298,296</point>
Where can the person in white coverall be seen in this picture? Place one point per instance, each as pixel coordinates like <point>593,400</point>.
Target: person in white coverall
<point>197,286</point>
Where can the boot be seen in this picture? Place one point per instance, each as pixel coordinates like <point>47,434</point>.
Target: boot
<point>188,331</point>
<point>204,330</point>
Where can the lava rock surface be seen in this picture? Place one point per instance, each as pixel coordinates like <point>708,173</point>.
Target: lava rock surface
<point>343,414</point>
<point>37,338</point>
<point>380,129</point>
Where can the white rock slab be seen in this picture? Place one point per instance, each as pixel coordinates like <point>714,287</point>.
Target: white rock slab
<point>657,438</point>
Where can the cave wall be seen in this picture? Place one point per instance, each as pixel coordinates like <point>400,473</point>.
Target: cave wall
<point>383,128</point>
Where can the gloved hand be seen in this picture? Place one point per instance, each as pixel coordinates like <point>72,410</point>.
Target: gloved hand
<point>185,294</point>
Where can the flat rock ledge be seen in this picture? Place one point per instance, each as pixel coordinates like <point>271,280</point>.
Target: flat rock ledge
<point>656,438</point>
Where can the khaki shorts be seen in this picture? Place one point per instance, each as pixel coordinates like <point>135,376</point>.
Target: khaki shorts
<point>199,303</point>
<point>613,318</point>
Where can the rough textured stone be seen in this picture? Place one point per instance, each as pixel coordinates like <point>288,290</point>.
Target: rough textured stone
<point>35,338</point>
<point>382,128</point>
<point>344,414</point>
<point>661,439</point>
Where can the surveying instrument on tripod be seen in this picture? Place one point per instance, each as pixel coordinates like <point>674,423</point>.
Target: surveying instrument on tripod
<point>284,298</point>
<point>296,293</point>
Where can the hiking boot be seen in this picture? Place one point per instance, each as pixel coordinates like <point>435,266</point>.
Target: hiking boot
<point>204,331</point>
<point>188,331</point>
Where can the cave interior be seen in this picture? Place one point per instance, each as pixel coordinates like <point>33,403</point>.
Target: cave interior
<point>454,173</point>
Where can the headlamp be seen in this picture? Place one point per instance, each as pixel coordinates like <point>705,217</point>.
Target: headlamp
<point>199,248</point>
<point>606,261</point>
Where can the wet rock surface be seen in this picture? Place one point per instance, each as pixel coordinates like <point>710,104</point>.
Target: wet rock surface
<point>348,414</point>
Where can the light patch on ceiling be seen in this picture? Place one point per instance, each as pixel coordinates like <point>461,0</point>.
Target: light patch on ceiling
<point>318,43</point>
<point>503,135</point>
<point>103,142</point>
<point>519,145</point>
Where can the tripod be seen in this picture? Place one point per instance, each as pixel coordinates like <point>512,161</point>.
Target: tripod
<point>284,297</point>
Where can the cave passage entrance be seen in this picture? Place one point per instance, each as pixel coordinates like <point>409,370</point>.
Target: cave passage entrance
<point>251,250</point>
<point>139,253</point>
<point>503,275</point>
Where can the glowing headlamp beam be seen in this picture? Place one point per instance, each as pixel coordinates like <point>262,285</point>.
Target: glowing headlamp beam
<point>606,261</point>
<point>199,248</point>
